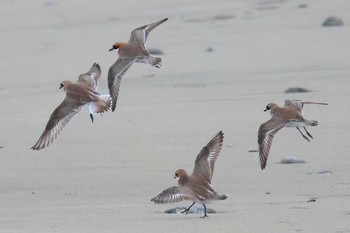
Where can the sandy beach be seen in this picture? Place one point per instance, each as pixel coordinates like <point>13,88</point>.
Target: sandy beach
<point>223,62</point>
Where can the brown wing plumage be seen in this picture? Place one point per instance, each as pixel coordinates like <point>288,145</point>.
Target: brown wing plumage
<point>58,120</point>
<point>205,161</point>
<point>115,74</point>
<point>91,77</point>
<point>266,134</point>
<point>140,34</point>
<point>170,195</point>
<point>299,104</point>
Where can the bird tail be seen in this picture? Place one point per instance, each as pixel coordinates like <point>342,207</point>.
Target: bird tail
<point>220,196</point>
<point>101,105</point>
<point>155,61</point>
<point>313,123</point>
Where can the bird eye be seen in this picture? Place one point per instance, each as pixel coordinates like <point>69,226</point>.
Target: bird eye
<point>268,107</point>
<point>176,175</point>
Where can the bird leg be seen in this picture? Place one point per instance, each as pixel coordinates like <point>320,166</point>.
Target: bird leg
<point>205,211</point>
<point>307,132</point>
<point>306,138</point>
<point>188,209</point>
<point>92,118</point>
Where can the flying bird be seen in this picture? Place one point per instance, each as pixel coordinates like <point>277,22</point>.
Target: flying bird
<point>290,115</point>
<point>132,51</point>
<point>83,92</point>
<point>197,186</point>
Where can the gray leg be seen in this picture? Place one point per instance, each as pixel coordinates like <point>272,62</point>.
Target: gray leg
<point>306,138</point>
<point>307,132</point>
<point>188,209</point>
<point>205,211</point>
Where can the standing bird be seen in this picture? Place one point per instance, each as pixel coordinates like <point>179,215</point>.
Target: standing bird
<point>197,186</point>
<point>133,51</point>
<point>77,96</point>
<point>290,115</point>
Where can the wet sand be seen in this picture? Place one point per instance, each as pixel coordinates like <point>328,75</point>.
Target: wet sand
<point>100,177</point>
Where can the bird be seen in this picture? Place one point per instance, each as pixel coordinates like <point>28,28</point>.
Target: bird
<point>197,186</point>
<point>290,115</point>
<point>83,92</point>
<point>132,51</point>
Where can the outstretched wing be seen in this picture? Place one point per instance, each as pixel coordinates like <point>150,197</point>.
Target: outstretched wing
<point>205,161</point>
<point>115,74</point>
<point>265,136</point>
<point>170,195</point>
<point>58,120</point>
<point>299,104</point>
<point>140,34</point>
<point>91,77</point>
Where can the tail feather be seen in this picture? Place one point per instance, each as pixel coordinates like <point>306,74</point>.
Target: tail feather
<point>155,61</point>
<point>219,196</point>
<point>314,123</point>
<point>103,104</point>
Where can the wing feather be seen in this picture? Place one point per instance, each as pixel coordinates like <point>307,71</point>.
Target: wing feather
<point>115,74</point>
<point>205,161</point>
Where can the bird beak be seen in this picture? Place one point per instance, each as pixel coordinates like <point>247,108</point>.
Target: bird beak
<point>114,47</point>
<point>61,86</point>
<point>265,110</point>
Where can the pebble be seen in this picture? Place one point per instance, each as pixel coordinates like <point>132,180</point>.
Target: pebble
<point>194,210</point>
<point>296,90</point>
<point>333,22</point>
<point>291,160</point>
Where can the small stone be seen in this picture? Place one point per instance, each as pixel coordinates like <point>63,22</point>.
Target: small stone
<point>291,160</point>
<point>194,210</point>
<point>333,22</point>
<point>302,6</point>
<point>252,151</point>
<point>267,193</point>
<point>323,172</point>
<point>223,17</point>
<point>210,49</point>
<point>311,200</point>
<point>296,90</point>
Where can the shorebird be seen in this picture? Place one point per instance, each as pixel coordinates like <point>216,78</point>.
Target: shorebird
<point>197,186</point>
<point>130,52</point>
<point>290,115</point>
<point>77,96</point>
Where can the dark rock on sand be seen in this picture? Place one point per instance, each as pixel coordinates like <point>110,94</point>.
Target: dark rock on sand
<point>210,49</point>
<point>291,160</point>
<point>302,6</point>
<point>253,151</point>
<point>333,22</point>
<point>296,90</point>
<point>194,210</point>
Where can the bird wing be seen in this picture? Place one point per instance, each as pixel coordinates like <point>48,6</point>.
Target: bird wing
<point>296,104</point>
<point>205,161</point>
<point>58,120</point>
<point>140,34</point>
<point>299,104</point>
<point>91,77</point>
<point>115,74</point>
<point>265,136</point>
<point>170,195</point>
